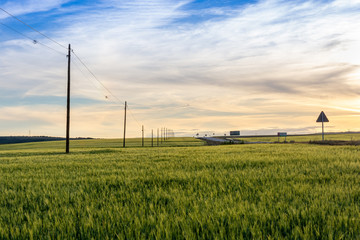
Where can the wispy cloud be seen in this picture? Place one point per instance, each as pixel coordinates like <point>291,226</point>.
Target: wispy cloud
<point>30,6</point>
<point>267,58</point>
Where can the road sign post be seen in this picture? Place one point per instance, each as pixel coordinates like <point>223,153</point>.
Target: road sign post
<point>322,118</point>
<point>282,134</point>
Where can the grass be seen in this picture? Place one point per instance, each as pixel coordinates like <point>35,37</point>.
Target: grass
<point>101,191</point>
<point>86,144</point>
<point>303,138</point>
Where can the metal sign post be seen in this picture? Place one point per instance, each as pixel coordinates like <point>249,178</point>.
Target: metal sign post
<point>282,134</point>
<point>322,118</point>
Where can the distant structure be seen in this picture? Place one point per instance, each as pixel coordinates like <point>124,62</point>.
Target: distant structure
<point>234,133</point>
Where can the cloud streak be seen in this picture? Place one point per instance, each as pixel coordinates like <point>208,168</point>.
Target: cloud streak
<point>241,65</point>
<point>30,6</point>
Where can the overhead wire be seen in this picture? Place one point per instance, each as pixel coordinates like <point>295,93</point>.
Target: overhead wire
<point>61,45</point>
<point>132,115</point>
<point>119,101</point>
<point>88,69</point>
<point>82,72</point>
<point>72,50</point>
<point>19,20</point>
<point>86,77</point>
<point>108,90</point>
<point>32,39</point>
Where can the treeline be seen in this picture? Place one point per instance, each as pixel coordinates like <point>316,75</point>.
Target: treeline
<point>25,139</point>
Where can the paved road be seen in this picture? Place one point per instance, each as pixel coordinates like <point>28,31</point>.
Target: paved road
<point>221,140</point>
<point>217,141</point>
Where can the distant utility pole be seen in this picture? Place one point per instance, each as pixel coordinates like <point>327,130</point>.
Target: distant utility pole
<point>157,139</point>
<point>124,124</point>
<point>152,137</point>
<point>142,135</point>
<point>68,104</point>
<point>161,137</point>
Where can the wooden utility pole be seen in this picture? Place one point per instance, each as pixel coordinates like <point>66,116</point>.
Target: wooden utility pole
<point>142,135</point>
<point>152,137</point>
<point>68,104</point>
<point>161,137</point>
<point>157,139</point>
<point>124,124</point>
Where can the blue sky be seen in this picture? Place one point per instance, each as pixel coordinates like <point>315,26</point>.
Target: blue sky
<point>193,66</point>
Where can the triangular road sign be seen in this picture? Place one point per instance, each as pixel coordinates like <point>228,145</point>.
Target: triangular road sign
<point>322,117</point>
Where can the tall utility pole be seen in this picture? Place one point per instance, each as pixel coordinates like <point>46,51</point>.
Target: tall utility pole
<point>161,135</point>
<point>142,135</point>
<point>124,124</point>
<point>152,137</point>
<point>68,105</point>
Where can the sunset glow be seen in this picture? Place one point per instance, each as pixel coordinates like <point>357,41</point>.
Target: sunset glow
<point>193,66</point>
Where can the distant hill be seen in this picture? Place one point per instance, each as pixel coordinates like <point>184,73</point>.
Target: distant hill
<point>25,139</point>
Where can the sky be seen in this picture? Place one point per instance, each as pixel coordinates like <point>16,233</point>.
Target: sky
<point>194,66</point>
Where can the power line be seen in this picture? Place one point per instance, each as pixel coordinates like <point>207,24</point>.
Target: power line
<point>82,62</point>
<point>92,82</point>
<point>132,115</point>
<point>33,40</point>
<point>36,41</point>
<point>13,29</point>
<point>87,68</point>
<point>119,101</point>
<point>11,15</point>
<point>82,72</point>
<point>85,76</point>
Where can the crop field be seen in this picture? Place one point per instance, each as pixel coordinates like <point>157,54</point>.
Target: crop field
<point>303,138</point>
<point>181,190</point>
<point>85,144</point>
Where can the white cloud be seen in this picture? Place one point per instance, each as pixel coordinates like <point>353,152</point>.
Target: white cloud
<point>273,57</point>
<point>30,6</point>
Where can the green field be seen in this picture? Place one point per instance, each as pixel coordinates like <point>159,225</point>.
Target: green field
<point>182,190</point>
<point>303,138</point>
